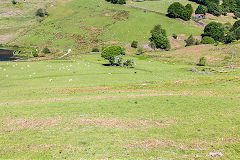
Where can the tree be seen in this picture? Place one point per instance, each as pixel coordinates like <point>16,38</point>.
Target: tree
<point>214,9</point>
<point>229,38</point>
<point>189,41</point>
<point>159,38</point>
<point>188,12</point>
<point>235,25</point>
<point>175,10</point>
<point>214,30</point>
<point>201,10</point>
<point>110,52</point>
<point>237,33</point>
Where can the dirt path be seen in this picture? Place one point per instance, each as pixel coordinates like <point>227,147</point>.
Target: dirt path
<point>89,98</point>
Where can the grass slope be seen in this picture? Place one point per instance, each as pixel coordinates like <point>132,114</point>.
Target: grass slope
<point>80,23</point>
<point>100,112</point>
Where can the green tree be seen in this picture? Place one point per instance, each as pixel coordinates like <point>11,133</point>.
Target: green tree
<point>176,10</point>
<point>46,50</point>
<point>229,38</point>
<point>214,30</point>
<point>214,9</point>
<point>159,38</point>
<point>189,41</point>
<point>109,53</point>
<point>235,25</point>
<point>134,44</point>
<point>201,10</point>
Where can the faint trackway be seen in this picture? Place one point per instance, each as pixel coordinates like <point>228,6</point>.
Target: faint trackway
<point>89,98</point>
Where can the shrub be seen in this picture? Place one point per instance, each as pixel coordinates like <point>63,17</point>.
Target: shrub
<point>202,61</point>
<point>110,52</point>
<point>117,1</point>
<point>237,33</point>
<point>214,30</point>
<point>207,40</point>
<point>235,25</point>
<point>159,38</point>
<point>35,54</point>
<point>134,44</point>
<point>41,12</point>
<point>46,50</point>
<point>174,35</point>
<point>189,41</point>
<point>14,2</point>
<point>95,49</point>
<point>128,63</point>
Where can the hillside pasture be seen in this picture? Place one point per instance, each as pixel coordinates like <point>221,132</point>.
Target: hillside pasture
<point>78,24</point>
<point>153,111</point>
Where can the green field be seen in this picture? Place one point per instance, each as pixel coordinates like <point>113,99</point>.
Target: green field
<point>80,23</point>
<point>153,111</point>
<point>160,5</point>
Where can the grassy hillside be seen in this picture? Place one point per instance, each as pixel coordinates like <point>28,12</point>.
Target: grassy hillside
<point>155,110</point>
<point>79,23</point>
<point>160,5</point>
<point>19,17</point>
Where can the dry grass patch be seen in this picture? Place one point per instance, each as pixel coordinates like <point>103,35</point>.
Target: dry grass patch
<point>10,124</point>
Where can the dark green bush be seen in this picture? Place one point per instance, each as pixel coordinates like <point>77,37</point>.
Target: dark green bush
<point>95,49</point>
<point>229,38</point>
<point>109,53</point>
<point>117,1</point>
<point>197,42</point>
<point>134,44</point>
<point>177,10</point>
<point>46,50</point>
<point>207,40</point>
<point>202,61</point>
<point>35,54</point>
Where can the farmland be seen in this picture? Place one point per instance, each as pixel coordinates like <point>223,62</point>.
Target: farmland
<point>110,112</point>
<point>70,103</point>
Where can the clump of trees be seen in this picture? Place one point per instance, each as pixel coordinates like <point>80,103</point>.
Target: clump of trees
<point>201,9</point>
<point>177,10</point>
<point>117,1</point>
<point>159,38</point>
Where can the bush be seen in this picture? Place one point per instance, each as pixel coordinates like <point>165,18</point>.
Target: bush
<point>41,12</point>
<point>134,44</point>
<point>159,38</point>
<point>128,63</point>
<point>237,33</point>
<point>202,61</point>
<point>189,41</point>
<point>214,9</point>
<point>35,54</point>
<point>14,2</point>
<point>214,30</point>
<point>109,53</point>
<point>207,40</point>
<point>235,25</point>
<point>46,50</point>
<point>174,35</point>
<point>95,49</point>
